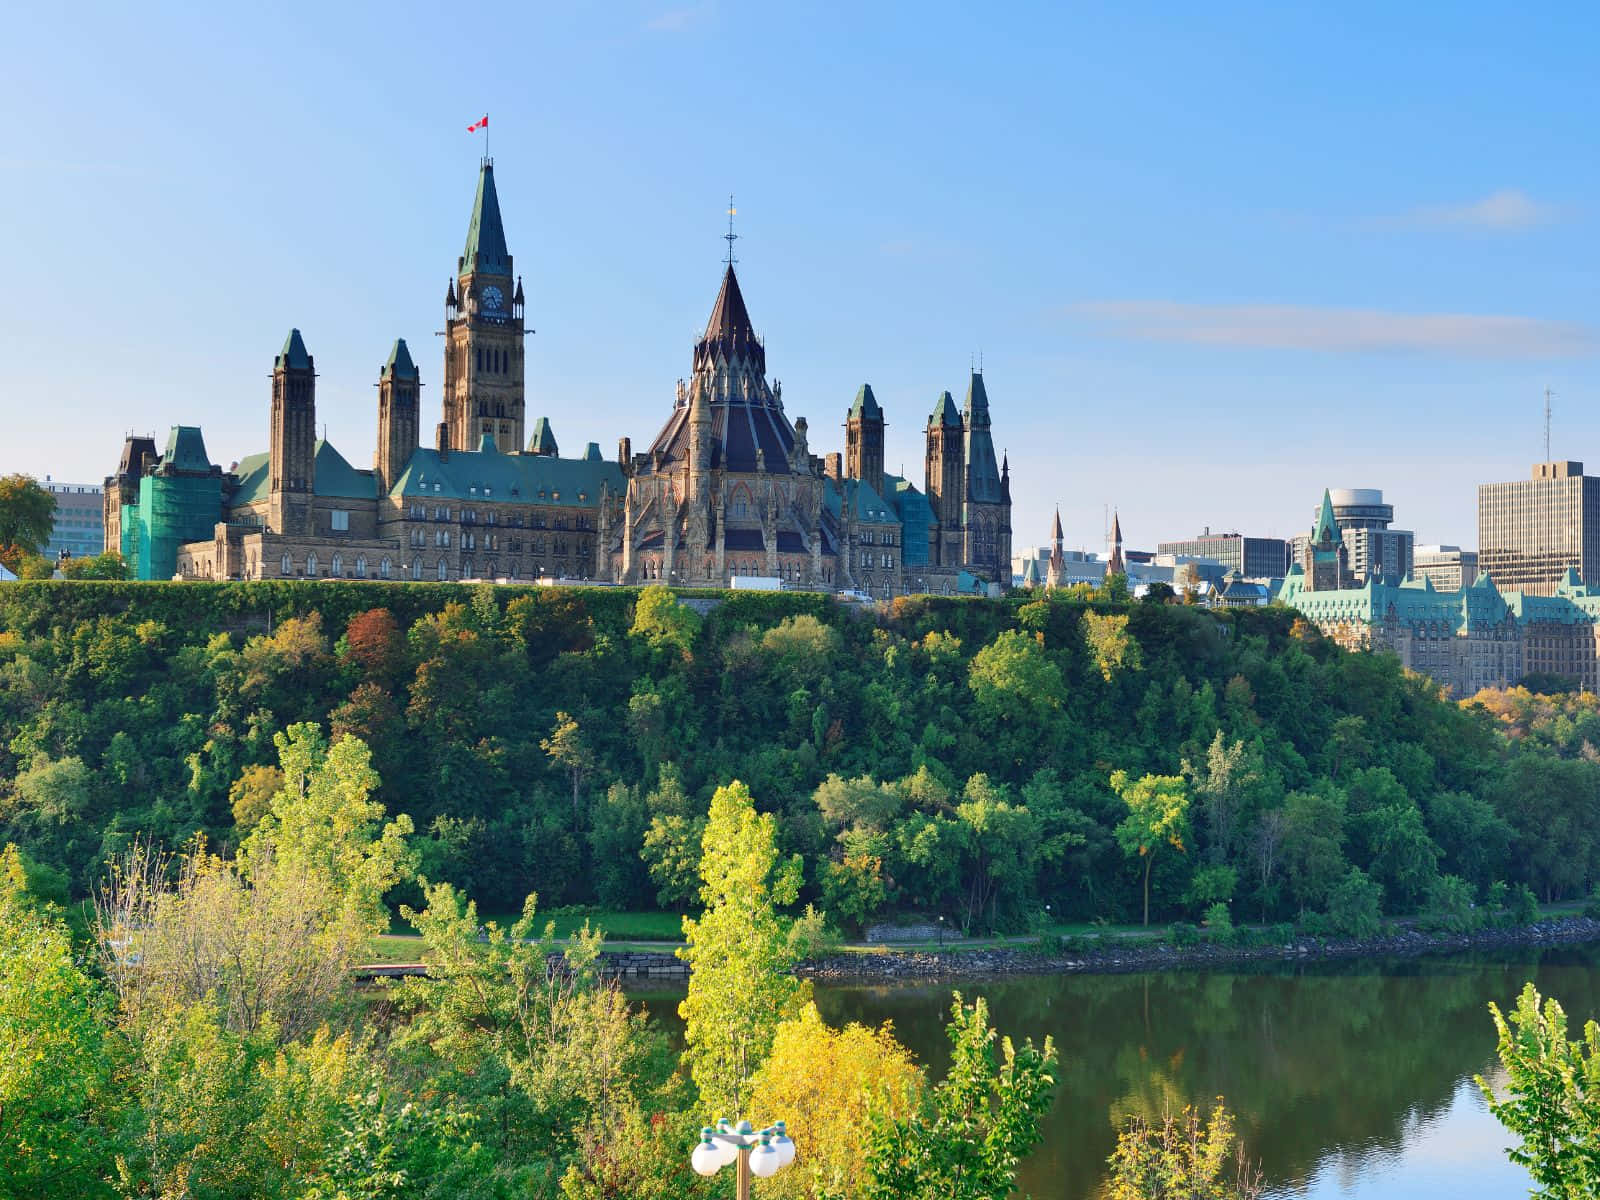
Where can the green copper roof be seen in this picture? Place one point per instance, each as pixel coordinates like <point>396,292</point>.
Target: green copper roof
<point>335,478</point>
<point>399,365</point>
<point>866,404</point>
<point>507,478</point>
<point>944,411</point>
<point>591,453</point>
<point>486,444</point>
<point>186,450</point>
<point>253,476</point>
<point>293,355</point>
<point>543,440</point>
<point>1326,528</point>
<point>486,237</point>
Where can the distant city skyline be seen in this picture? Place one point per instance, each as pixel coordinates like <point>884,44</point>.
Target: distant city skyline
<point>1214,262</point>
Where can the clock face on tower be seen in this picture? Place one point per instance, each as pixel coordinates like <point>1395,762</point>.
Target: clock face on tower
<point>491,298</point>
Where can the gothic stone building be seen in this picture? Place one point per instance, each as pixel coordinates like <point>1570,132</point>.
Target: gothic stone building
<point>728,488</point>
<point>1478,637</point>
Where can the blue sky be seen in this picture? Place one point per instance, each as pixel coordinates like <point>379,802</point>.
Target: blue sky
<point>1214,257</point>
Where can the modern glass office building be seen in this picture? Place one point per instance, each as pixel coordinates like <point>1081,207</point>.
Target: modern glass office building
<point>1531,531</point>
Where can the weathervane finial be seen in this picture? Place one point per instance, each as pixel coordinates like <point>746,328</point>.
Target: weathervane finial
<point>731,237</point>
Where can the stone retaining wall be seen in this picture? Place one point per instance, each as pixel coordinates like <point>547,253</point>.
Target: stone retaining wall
<point>1112,958</point>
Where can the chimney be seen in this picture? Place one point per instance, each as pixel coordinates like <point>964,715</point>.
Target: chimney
<point>625,450</point>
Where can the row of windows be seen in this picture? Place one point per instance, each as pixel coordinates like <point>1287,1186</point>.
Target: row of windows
<point>469,516</point>
<point>336,566</point>
<point>493,361</point>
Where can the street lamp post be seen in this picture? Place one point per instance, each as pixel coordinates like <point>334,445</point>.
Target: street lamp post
<point>751,1152</point>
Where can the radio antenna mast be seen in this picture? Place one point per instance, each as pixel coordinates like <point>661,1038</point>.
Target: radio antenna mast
<point>1547,394</point>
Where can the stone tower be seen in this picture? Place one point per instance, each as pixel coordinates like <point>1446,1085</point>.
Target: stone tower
<point>945,474</point>
<point>293,442</point>
<point>863,440</point>
<point>986,514</point>
<point>1056,576</point>
<point>399,415</point>
<point>1324,560</point>
<point>483,365</point>
<point>1114,564</point>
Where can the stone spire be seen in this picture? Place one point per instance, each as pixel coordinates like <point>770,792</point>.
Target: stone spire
<point>1115,565</point>
<point>730,335</point>
<point>1057,573</point>
<point>983,479</point>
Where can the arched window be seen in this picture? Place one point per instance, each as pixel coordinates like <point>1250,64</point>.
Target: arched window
<point>384,567</point>
<point>466,568</point>
<point>337,567</point>
<point>361,566</point>
<point>311,565</point>
<point>489,571</point>
<point>444,570</point>
<point>287,566</point>
<point>416,568</point>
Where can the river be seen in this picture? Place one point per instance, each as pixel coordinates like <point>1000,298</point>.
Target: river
<point>1348,1079</point>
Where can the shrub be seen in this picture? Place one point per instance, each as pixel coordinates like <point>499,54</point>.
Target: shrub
<point>1355,906</point>
<point>1450,908</point>
<point>1219,924</point>
<point>1524,906</point>
<point>1182,933</point>
<point>1591,908</point>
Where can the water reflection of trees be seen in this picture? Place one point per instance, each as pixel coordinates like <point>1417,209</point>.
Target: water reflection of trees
<point>1330,1060</point>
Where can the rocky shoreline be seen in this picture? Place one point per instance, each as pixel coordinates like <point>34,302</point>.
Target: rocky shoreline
<point>1001,962</point>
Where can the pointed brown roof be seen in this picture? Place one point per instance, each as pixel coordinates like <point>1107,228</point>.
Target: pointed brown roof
<point>1055,530</point>
<point>1116,529</point>
<point>729,331</point>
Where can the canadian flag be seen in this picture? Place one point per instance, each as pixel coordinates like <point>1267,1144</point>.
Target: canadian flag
<point>477,125</point>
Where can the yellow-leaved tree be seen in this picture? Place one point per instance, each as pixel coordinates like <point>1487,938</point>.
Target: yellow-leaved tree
<point>825,1083</point>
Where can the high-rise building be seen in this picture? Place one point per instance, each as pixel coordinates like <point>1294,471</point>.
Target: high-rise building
<point>1530,531</point>
<point>1371,546</point>
<point>80,519</point>
<point>1448,568</point>
<point>1252,557</point>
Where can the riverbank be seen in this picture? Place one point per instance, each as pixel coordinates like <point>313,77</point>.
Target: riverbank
<point>1113,958</point>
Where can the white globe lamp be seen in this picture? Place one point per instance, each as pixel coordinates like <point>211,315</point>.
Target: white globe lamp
<point>707,1156</point>
<point>765,1159</point>
<point>783,1143</point>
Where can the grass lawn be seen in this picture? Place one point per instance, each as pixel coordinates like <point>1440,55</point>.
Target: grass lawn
<point>617,926</point>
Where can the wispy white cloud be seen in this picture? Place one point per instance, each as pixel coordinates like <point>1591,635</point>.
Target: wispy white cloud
<point>676,20</point>
<point>1341,330</point>
<point>1509,210</point>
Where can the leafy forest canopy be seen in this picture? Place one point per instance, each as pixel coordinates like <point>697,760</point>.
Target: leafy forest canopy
<point>979,759</point>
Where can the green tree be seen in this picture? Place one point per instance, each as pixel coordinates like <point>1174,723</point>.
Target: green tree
<point>27,518</point>
<point>1552,1096</point>
<point>1158,813</point>
<point>739,952</point>
<point>1355,905</point>
<point>660,620</point>
<point>569,749</point>
<point>96,566</point>
<point>981,1121</point>
<point>58,1098</point>
<point>517,1029</point>
<point>1111,647</point>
